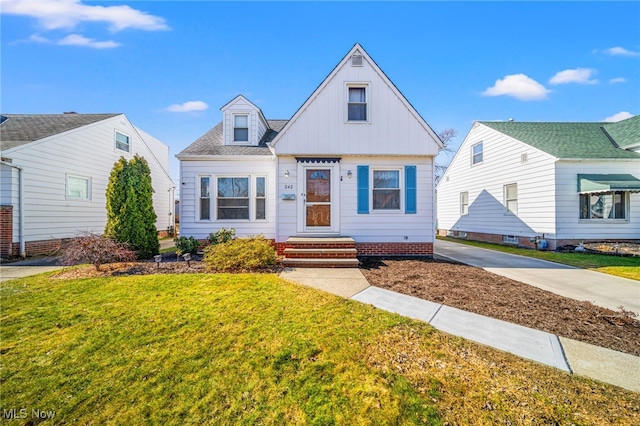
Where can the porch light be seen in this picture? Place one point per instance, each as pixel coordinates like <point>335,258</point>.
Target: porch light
<point>349,174</point>
<point>286,173</point>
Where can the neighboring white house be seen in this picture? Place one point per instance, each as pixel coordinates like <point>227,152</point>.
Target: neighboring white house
<point>54,174</point>
<point>511,182</point>
<point>356,160</point>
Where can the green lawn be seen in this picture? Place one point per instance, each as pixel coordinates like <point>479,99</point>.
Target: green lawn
<point>627,267</point>
<point>246,349</point>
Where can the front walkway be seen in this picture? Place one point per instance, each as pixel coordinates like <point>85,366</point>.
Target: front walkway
<point>600,289</point>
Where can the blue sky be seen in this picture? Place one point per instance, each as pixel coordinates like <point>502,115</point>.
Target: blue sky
<point>170,66</point>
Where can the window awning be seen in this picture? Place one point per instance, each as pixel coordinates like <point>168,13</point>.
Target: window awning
<point>606,183</point>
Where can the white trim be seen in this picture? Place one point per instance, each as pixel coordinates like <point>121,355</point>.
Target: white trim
<point>401,189</point>
<point>462,212</point>
<point>301,227</point>
<point>199,197</point>
<point>506,199</point>
<point>366,85</point>
<point>66,187</point>
<point>473,155</point>
<point>115,141</point>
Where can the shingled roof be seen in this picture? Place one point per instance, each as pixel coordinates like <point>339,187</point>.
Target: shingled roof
<point>212,142</point>
<point>20,129</point>
<point>574,140</point>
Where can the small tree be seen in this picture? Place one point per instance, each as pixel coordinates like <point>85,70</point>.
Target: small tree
<point>96,250</point>
<point>445,136</point>
<point>130,215</point>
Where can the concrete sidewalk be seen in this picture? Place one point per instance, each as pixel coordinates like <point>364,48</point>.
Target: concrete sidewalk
<point>568,355</point>
<point>600,289</point>
<point>26,268</point>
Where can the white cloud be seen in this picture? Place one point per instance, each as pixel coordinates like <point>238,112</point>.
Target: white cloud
<point>519,86</point>
<point>618,80</point>
<point>78,40</point>
<point>622,115</point>
<point>578,75</point>
<point>620,51</point>
<point>188,107</point>
<point>57,14</point>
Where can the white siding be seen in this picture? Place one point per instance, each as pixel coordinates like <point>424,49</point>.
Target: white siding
<point>568,202</point>
<point>86,152</point>
<point>321,127</point>
<point>191,170</point>
<point>502,165</point>
<point>257,125</point>
<point>375,226</point>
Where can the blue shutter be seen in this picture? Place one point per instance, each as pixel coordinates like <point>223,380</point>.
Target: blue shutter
<point>410,189</point>
<point>363,189</point>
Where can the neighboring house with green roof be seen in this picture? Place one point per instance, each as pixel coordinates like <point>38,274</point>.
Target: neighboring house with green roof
<point>511,182</point>
<point>54,174</point>
<point>352,172</point>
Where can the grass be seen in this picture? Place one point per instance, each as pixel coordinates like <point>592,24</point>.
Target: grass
<point>626,267</point>
<point>245,349</point>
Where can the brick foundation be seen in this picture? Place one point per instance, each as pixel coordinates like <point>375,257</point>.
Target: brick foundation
<point>525,242</point>
<point>395,249</point>
<point>6,230</point>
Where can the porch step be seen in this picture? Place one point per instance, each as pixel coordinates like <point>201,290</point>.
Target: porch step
<point>332,252</point>
<point>321,263</point>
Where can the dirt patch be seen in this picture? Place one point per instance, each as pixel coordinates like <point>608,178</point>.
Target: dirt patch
<point>476,290</point>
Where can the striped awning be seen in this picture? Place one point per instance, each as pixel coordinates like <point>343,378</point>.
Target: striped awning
<point>588,184</point>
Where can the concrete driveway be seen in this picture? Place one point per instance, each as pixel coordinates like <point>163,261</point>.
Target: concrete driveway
<point>25,268</point>
<point>600,289</point>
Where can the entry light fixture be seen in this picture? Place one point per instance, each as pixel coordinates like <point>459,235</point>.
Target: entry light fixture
<point>286,173</point>
<point>349,174</point>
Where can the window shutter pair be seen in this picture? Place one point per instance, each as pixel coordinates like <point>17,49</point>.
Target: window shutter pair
<point>410,202</point>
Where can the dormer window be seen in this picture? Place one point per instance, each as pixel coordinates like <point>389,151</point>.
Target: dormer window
<point>357,104</point>
<point>241,128</point>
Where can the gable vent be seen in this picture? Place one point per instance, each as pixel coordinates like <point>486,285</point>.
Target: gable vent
<point>356,60</point>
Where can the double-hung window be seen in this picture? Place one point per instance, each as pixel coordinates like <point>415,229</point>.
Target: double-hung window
<point>205,198</point>
<point>607,205</point>
<point>511,199</point>
<point>476,154</point>
<point>386,190</point>
<point>241,128</point>
<point>357,104</point>
<point>78,188</point>
<point>233,198</point>
<point>122,142</point>
<point>464,203</point>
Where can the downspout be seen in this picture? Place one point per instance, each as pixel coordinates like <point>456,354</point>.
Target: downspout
<point>23,252</point>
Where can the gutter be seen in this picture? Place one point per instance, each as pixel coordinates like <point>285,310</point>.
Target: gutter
<point>23,252</point>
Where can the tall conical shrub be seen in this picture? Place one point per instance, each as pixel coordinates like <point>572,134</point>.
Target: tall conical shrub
<point>130,215</point>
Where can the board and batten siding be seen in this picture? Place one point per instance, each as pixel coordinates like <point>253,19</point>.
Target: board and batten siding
<point>190,172</point>
<point>570,226</point>
<point>383,227</point>
<point>87,152</point>
<point>321,126</point>
<point>502,165</point>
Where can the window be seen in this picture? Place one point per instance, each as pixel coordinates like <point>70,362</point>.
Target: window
<point>357,104</point>
<point>78,188</point>
<point>261,198</point>
<point>233,198</point>
<point>122,142</point>
<point>510,239</point>
<point>476,153</point>
<point>511,198</point>
<point>205,198</point>
<point>608,205</point>
<point>464,203</point>
<point>240,128</point>
<point>386,190</point>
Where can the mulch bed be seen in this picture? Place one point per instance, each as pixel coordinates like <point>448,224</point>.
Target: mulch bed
<point>476,290</point>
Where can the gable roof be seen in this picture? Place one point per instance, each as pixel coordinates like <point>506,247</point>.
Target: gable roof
<point>568,140</point>
<point>212,142</point>
<point>359,49</point>
<point>20,129</point>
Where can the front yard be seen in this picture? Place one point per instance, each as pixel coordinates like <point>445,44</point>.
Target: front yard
<point>251,348</point>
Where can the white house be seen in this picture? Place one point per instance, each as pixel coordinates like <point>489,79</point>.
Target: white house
<point>54,174</point>
<point>354,165</point>
<point>511,182</point>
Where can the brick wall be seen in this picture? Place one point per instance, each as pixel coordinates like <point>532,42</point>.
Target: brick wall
<point>395,249</point>
<point>6,230</point>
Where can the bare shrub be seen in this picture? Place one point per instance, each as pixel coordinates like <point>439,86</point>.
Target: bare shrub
<point>96,250</point>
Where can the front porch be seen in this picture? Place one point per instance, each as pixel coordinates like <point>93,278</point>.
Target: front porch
<point>321,252</point>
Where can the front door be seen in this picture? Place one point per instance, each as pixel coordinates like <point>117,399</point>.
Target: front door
<point>319,199</point>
